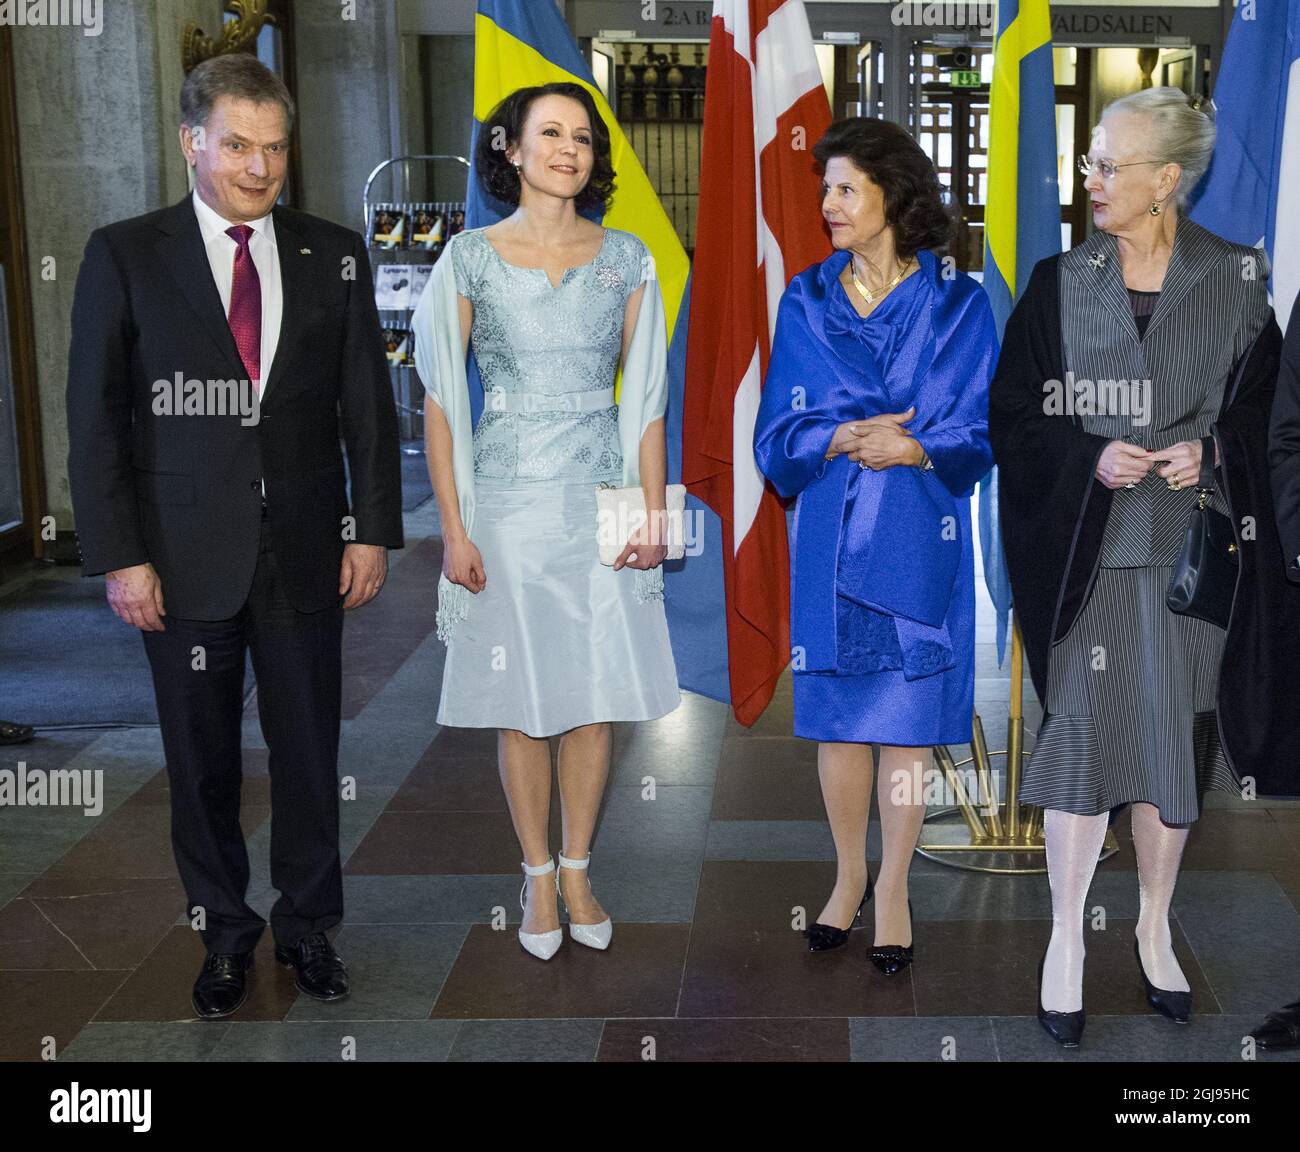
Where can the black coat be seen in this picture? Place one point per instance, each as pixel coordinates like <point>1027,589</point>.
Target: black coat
<point>1054,513</point>
<point>184,492</point>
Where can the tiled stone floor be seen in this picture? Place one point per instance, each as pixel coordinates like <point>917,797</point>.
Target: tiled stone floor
<point>702,870</point>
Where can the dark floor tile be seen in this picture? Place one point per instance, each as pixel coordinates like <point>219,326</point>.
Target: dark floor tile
<point>713,1041</point>
<point>151,1042</point>
<point>773,779</point>
<point>680,748</point>
<point>160,988</point>
<point>1246,936</point>
<point>445,781</point>
<point>378,638</point>
<point>52,748</point>
<point>29,940</point>
<point>533,1041</point>
<point>43,1011</point>
<point>990,967</point>
<point>761,969</point>
<point>395,970</point>
<point>347,1041</point>
<point>134,842</point>
<point>494,978</point>
<point>920,1039</point>
<point>113,923</point>
<point>1239,840</point>
<point>1289,882</point>
<point>1123,1039</point>
<point>425,843</point>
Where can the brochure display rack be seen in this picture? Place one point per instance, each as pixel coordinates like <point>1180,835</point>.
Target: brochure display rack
<point>404,238</point>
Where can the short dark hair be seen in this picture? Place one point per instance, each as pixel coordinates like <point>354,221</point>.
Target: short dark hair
<point>498,176</point>
<point>237,75</point>
<point>914,205</point>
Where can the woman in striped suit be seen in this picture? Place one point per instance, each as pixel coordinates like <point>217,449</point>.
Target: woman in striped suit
<point>1136,367</point>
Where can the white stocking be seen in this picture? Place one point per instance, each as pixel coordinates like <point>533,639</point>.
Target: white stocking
<point>1159,850</point>
<point>1073,847</point>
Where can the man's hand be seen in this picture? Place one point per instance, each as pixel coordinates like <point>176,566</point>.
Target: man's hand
<point>362,573</point>
<point>135,594</point>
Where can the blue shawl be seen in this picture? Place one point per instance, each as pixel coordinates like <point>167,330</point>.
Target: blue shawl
<point>891,540</point>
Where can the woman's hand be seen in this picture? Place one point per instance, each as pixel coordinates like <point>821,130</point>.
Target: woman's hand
<point>1122,465</point>
<point>886,446</point>
<point>648,554</point>
<point>1181,463</point>
<point>462,564</point>
<point>877,441</point>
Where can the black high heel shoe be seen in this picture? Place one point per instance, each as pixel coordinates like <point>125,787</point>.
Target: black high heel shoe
<point>823,937</point>
<point>1066,1028</point>
<point>891,959</point>
<point>1176,1005</point>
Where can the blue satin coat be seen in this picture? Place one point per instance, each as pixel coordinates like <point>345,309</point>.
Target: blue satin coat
<point>883,563</point>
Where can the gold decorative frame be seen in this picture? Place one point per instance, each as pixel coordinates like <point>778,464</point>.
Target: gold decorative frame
<point>237,35</point>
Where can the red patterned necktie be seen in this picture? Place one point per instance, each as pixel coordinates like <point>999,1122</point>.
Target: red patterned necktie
<point>246,305</point>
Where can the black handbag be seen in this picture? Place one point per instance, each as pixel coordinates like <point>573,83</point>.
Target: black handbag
<point>1204,579</point>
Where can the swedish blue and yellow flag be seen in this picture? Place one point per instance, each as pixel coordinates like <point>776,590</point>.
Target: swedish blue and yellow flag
<point>1022,213</point>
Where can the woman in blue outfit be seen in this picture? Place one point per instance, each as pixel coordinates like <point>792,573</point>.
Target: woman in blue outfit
<point>542,639</point>
<point>874,414</point>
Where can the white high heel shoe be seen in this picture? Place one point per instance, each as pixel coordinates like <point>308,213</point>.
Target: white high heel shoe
<point>592,935</point>
<point>543,945</point>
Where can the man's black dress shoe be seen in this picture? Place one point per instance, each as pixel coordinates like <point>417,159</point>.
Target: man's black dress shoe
<point>891,959</point>
<point>1280,1030</point>
<point>823,937</point>
<point>1066,1028</point>
<point>11,733</point>
<point>321,974</point>
<point>222,985</point>
<point>1176,1005</point>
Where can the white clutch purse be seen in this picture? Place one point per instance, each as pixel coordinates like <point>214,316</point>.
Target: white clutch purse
<point>621,511</point>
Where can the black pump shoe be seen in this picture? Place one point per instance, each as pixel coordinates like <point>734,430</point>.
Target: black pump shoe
<point>823,937</point>
<point>1176,1005</point>
<point>891,959</point>
<point>1066,1028</point>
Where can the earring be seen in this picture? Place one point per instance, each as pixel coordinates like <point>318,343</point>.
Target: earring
<point>1155,208</point>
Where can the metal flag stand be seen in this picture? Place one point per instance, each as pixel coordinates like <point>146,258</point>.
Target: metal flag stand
<point>996,836</point>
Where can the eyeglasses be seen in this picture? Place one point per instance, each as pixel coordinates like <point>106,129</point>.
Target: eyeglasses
<point>1108,168</point>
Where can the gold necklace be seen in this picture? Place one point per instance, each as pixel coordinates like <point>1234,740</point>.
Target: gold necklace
<point>871,297</point>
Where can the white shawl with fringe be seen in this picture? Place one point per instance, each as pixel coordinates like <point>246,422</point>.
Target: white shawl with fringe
<point>643,398</point>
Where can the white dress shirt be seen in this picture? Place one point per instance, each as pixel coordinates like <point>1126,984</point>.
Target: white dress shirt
<point>221,251</point>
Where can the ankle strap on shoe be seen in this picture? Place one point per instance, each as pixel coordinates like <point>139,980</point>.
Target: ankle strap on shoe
<point>540,869</point>
<point>565,862</point>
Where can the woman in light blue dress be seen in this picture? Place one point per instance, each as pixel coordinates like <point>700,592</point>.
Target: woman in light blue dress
<point>542,639</point>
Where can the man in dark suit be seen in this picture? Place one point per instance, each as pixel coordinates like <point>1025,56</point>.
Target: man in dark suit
<point>219,348</point>
<point>1281,1029</point>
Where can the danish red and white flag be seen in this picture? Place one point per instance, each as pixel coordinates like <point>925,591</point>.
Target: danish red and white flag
<point>759,225</point>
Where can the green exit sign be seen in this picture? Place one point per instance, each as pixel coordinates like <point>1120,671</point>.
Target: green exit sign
<point>965,79</point>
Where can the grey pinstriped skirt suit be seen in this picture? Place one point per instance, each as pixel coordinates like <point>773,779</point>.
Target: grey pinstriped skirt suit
<point>1131,688</point>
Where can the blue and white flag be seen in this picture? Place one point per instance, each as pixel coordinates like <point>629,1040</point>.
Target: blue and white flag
<point>1251,194</point>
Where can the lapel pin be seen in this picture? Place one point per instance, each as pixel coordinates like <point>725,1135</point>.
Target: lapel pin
<point>1098,261</point>
<point>304,251</point>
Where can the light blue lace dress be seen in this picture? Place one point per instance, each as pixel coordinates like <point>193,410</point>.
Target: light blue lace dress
<point>555,639</point>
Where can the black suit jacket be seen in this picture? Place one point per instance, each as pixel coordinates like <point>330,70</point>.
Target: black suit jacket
<point>184,492</point>
<point>1284,446</point>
